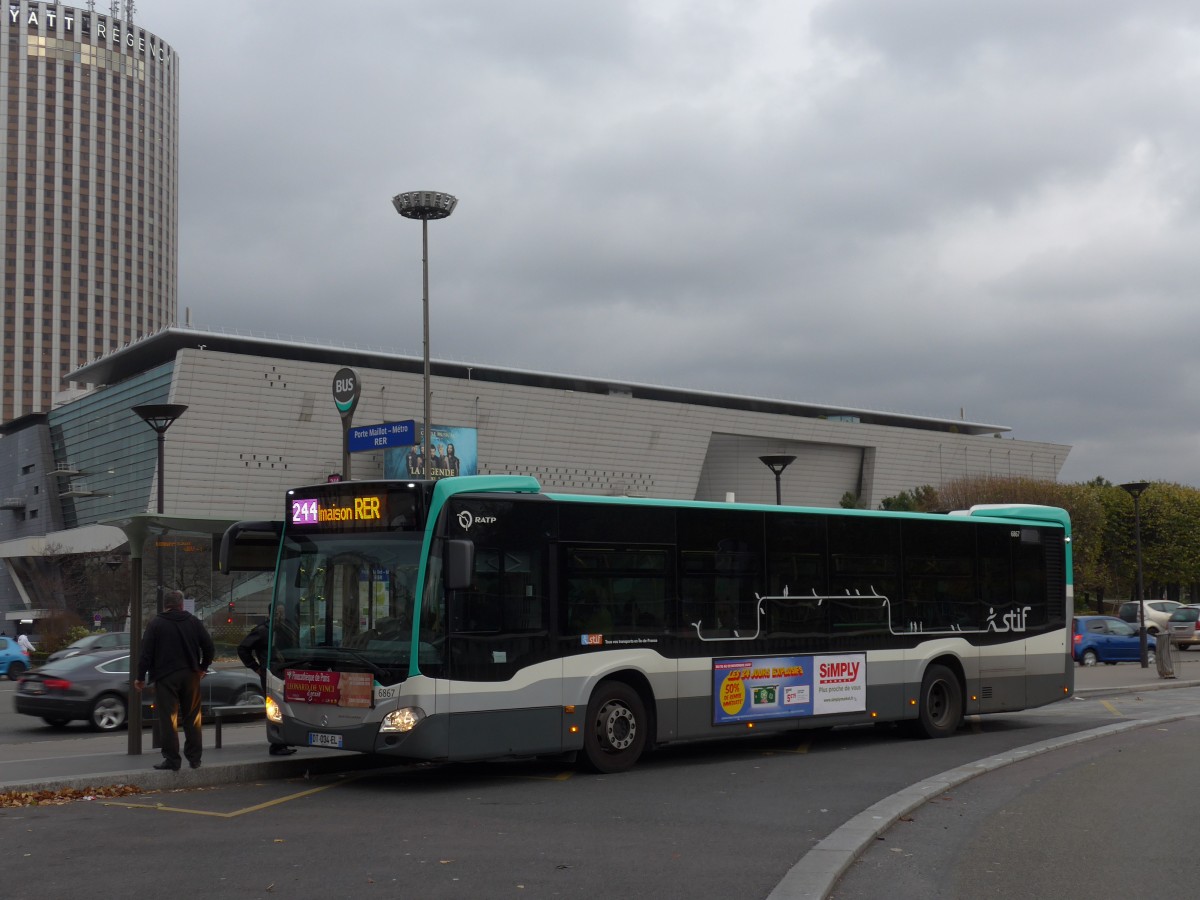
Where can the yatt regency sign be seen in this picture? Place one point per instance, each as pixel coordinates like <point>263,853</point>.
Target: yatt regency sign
<point>82,25</point>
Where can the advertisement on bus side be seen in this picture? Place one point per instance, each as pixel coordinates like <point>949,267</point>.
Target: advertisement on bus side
<point>756,689</point>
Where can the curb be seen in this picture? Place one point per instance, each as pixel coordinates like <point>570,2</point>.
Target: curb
<point>1161,685</point>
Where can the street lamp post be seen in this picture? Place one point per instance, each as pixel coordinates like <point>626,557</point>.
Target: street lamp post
<point>1135,489</point>
<point>777,464</point>
<point>425,205</point>
<point>160,417</point>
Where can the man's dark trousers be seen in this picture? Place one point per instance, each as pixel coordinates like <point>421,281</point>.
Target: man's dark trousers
<point>177,697</point>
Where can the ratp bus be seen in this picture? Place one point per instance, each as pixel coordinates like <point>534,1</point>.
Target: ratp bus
<point>479,617</point>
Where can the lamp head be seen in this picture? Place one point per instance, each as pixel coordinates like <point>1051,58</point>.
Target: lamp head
<point>425,204</point>
<point>1135,488</point>
<point>160,416</point>
<point>777,463</point>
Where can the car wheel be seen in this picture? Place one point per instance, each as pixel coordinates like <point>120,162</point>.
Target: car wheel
<point>15,670</point>
<point>55,721</point>
<point>616,727</point>
<point>108,713</point>
<point>1089,658</point>
<point>941,703</point>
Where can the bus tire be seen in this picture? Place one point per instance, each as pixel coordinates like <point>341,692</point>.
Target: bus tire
<point>940,710</point>
<point>615,731</point>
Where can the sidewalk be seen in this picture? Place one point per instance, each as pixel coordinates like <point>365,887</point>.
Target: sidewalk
<point>1126,677</point>
<point>102,760</point>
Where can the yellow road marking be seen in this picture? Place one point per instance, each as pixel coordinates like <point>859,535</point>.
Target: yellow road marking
<point>1112,709</point>
<point>159,807</point>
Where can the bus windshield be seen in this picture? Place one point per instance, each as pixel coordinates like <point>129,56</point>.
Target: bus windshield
<point>345,602</point>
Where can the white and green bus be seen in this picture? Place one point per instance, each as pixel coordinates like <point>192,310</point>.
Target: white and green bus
<point>479,617</point>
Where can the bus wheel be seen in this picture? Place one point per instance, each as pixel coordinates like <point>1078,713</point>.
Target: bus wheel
<point>615,731</point>
<point>941,703</point>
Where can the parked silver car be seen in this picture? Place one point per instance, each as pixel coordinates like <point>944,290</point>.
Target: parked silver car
<point>1157,613</point>
<point>1184,626</point>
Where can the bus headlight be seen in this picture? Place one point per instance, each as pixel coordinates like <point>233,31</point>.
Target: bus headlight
<point>402,720</point>
<point>274,713</point>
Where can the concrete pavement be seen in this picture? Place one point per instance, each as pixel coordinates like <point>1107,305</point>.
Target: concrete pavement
<point>100,760</point>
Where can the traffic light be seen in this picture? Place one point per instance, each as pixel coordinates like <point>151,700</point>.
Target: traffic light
<point>229,618</point>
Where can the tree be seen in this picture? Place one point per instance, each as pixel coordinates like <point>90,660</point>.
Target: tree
<point>922,499</point>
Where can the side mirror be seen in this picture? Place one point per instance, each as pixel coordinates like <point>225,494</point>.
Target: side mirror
<point>460,564</point>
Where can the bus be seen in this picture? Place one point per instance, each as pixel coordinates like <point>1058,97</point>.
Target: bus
<point>478,617</point>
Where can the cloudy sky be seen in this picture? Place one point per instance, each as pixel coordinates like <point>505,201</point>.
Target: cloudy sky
<point>923,207</point>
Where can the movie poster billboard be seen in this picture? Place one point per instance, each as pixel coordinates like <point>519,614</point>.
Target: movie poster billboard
<point>453,451</point>
<point>785,687</point>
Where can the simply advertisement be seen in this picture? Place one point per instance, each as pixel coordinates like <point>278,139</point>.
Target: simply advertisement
<point>753,689</point>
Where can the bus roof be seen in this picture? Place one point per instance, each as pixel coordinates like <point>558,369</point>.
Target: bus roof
<point>1029,513</point>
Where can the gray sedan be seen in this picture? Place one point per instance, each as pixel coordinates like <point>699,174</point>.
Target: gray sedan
<point>108,640</point>
<point>94,687</point>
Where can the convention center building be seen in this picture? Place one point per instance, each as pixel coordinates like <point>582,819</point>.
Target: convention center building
<point>266,415</point>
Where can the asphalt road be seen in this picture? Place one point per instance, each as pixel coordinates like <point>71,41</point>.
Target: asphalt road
<point>721,820</point>
<point>728,819</point>
<point>1109,818</point>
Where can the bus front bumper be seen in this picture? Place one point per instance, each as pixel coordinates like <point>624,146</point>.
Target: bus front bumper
<point>427,741</point>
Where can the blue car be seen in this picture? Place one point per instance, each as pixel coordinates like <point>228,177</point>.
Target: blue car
<point>1107,639</point>
<point>13,660</point>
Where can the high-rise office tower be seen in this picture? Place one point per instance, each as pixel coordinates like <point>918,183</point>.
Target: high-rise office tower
<point>89,101</point>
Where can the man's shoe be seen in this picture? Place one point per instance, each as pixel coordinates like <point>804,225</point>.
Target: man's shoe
<point>281,750</point>
<point>195,765</point>
<point>167,766</point>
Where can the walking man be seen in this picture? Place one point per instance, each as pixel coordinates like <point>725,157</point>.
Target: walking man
<point>176,652</point>
<point>252,651</point>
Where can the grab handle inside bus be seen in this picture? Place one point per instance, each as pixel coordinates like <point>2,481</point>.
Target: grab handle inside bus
<point>460,564</point>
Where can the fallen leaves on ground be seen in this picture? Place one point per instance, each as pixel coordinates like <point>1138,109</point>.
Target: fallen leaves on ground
<point>63,796</point>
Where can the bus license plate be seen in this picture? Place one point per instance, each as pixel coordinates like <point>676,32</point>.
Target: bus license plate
<point>320,739</point>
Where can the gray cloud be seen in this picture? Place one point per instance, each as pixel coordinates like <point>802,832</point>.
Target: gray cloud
<point>920,206</point>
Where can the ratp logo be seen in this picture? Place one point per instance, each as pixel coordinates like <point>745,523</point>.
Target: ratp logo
<point>466,520</point>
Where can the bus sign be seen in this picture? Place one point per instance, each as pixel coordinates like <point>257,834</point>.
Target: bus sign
<point>382,436</point>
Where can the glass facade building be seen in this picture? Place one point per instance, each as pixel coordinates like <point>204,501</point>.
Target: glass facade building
<point>89,206</point>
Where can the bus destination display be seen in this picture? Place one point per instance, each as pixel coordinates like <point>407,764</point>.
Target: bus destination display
<point>366,510</point>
